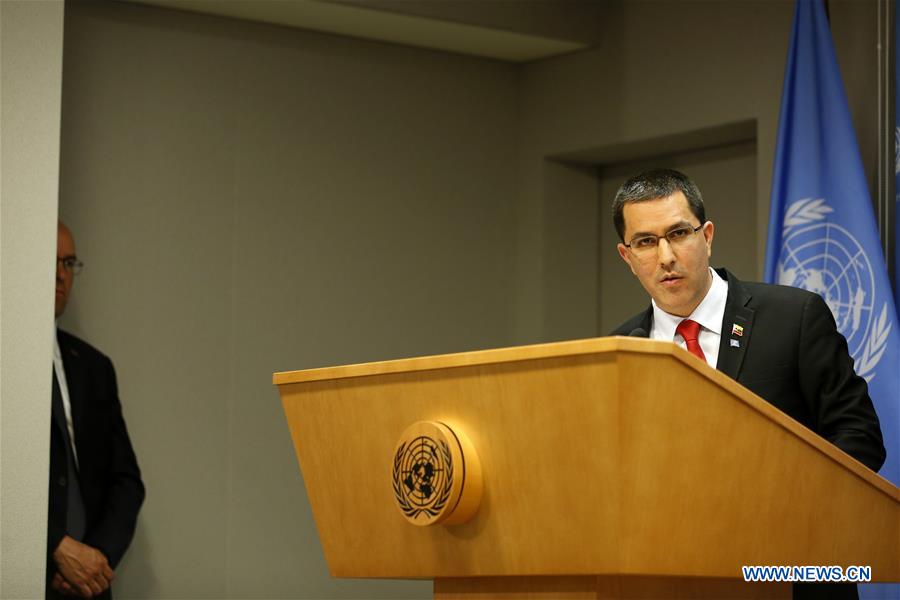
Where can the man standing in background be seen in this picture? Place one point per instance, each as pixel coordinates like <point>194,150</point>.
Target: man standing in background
<point>95,483</point>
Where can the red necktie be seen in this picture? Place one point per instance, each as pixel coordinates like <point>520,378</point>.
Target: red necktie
<point>689,330</point>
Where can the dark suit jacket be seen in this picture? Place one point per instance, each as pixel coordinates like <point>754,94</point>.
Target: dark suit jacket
<point>792,355</point>
<point>108,472</point>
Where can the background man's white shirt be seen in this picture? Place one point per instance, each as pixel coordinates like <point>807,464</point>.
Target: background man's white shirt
<point>64,392</point>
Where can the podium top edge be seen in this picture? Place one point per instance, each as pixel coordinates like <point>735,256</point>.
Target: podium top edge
<point>480,357</point>
<point>595,346</point>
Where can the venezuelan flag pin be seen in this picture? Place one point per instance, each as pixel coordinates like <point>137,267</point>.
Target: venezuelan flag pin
<point>737,330</point>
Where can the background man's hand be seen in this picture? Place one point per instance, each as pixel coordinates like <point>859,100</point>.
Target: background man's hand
<point>83,567</point>
<point>62,586</point>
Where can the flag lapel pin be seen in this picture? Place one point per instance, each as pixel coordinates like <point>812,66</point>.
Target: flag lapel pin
<point>737,330</point>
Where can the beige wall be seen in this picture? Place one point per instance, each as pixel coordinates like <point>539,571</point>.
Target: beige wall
<point>30,74</point>
<point>250,198</point>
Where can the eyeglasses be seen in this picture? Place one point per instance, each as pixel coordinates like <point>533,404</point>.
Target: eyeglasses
<point>71,264</point>
<point>645,244</point>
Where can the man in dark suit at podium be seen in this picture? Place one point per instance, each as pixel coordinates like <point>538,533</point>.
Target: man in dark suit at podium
<point>797,360</point>
<point>95,484</point>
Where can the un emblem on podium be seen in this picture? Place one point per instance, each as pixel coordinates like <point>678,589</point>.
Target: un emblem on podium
<point>436,475</point>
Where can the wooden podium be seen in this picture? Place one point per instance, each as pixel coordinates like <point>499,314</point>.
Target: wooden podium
<point>612,468</point>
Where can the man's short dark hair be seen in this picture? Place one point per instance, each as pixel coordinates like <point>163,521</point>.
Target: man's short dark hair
<point>651,185</point>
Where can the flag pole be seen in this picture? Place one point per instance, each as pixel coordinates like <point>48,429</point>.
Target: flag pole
<point>886,159</point>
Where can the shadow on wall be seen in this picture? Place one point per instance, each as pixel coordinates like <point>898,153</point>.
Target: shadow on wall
<point>142,576</point>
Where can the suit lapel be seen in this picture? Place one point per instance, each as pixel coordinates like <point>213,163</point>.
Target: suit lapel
<point>647,320</point>
<point>737,327</point>
<point>57,411</point>
<point>75,384</point>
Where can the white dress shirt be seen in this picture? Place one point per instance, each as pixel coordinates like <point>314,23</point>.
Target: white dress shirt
<point>64,392</point>
<point>709,313</point>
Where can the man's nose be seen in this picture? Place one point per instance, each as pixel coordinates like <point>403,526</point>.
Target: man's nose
<point>664,252</point>
<point>60,271</point>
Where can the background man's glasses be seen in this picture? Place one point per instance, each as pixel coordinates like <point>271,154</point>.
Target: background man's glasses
<point>645,244</point>
<point>71,264</point>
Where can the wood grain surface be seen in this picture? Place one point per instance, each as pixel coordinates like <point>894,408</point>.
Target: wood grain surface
<point>613,456</point>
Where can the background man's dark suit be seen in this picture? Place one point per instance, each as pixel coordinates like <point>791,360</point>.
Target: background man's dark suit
<point>792,355</point>
<point>109,476</point>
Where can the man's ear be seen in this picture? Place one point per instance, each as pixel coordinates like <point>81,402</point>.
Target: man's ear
<point>709,230</point>
<point>626,256</point>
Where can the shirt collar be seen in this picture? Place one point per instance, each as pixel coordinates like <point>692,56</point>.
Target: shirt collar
<point>57,353</point>
<point>709,313</point>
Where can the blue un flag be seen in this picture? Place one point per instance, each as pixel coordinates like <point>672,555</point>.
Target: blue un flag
<point>897,158</point>
<point>822,230</point>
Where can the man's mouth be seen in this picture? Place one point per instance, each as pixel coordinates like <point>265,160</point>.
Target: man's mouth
<point>670,280</point>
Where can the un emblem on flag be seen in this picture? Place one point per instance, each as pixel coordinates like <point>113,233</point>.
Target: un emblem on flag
<point>827,259</point>
<point>436,475</point>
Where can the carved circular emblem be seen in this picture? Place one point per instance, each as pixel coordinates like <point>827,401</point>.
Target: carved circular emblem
<point>436,475</point>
